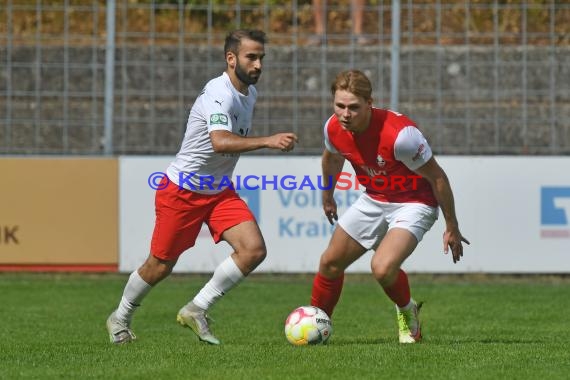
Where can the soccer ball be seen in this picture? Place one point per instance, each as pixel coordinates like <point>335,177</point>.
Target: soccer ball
<point>308,325</point>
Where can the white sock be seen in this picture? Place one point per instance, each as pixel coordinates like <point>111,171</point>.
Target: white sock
<point>408,306</point>
<point>135,290</point>
<point>226,276</point>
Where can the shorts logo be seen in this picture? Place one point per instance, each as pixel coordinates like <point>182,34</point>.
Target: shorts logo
<point>219,119</point>
<point>555,212</point>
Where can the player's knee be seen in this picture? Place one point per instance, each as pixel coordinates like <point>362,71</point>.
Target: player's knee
<point>331,267</point>
<point>154,270</point>
<point>255,252</point>
<point>259,253</point>
<point>383,273</point>
<point>164,271</point>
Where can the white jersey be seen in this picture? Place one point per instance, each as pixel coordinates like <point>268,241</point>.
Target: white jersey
<point>220,106</point>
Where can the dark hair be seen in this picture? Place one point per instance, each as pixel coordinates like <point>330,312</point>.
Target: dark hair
<point>353,81</point>
<point>233,39</point>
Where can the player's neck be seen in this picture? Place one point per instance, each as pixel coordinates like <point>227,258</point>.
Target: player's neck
<point>238,84</point>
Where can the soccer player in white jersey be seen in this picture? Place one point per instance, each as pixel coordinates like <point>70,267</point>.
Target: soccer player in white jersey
<point>198,192</point>
<point>404,187</point>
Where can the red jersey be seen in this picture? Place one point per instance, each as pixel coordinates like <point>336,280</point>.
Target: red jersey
<point>384,157</point>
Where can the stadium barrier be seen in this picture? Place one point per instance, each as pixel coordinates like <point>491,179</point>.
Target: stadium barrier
<point>514,210</point>
<point>97,214</point>
<point>59,214</point>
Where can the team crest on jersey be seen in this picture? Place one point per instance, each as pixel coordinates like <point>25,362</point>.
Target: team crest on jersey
<point>218,118</point>
<point>380,161</point>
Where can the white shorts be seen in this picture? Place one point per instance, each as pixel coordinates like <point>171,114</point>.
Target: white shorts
<point>368,220</point>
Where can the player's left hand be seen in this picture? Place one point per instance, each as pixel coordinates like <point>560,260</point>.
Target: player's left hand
<point>453,239</point>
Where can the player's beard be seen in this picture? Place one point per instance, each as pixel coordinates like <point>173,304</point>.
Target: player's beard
<point>243,76</point>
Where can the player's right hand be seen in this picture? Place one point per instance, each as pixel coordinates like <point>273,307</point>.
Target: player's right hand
<point>330,209</point>
<point>284,141</point>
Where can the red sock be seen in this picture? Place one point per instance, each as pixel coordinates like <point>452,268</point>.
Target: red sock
<point>326,292</point>
<point>399,291</point>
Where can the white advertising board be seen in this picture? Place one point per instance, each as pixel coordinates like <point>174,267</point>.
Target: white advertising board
<point>514,210</point>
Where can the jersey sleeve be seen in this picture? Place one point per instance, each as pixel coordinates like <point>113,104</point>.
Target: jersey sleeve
<point>217,110</point>
<point>412,148</point>
<point>328,144</point>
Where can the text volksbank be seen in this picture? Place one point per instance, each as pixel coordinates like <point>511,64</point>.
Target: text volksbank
<point>307,219</point>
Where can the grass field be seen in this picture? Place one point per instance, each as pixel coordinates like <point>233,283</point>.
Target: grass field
<point>53,326</point>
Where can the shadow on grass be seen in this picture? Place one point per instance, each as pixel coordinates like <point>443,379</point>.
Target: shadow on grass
<point>362,341</point>
<point>471,340</point>
<point>347,341</point>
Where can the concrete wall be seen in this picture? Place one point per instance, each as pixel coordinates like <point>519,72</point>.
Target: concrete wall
<point>476,101</point>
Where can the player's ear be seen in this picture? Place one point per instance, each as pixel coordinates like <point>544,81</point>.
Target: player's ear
<point>231,59</point>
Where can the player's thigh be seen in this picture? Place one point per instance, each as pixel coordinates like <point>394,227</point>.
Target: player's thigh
<point>397,245</point>
<point>407,225</point>
<point>179,217</point>
<point>342,251</point>
<point>245,238</point>
<point>231,217</point>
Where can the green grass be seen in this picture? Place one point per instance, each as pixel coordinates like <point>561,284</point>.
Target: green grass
<point>490,328</point>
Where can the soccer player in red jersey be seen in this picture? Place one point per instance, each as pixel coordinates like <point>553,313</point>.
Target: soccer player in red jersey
<point>404,186</point>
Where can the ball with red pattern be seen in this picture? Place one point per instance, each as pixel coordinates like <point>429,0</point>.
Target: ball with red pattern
<point>308,325</point>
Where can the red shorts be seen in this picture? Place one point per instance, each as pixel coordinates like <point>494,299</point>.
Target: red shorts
<point>180,214</point>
